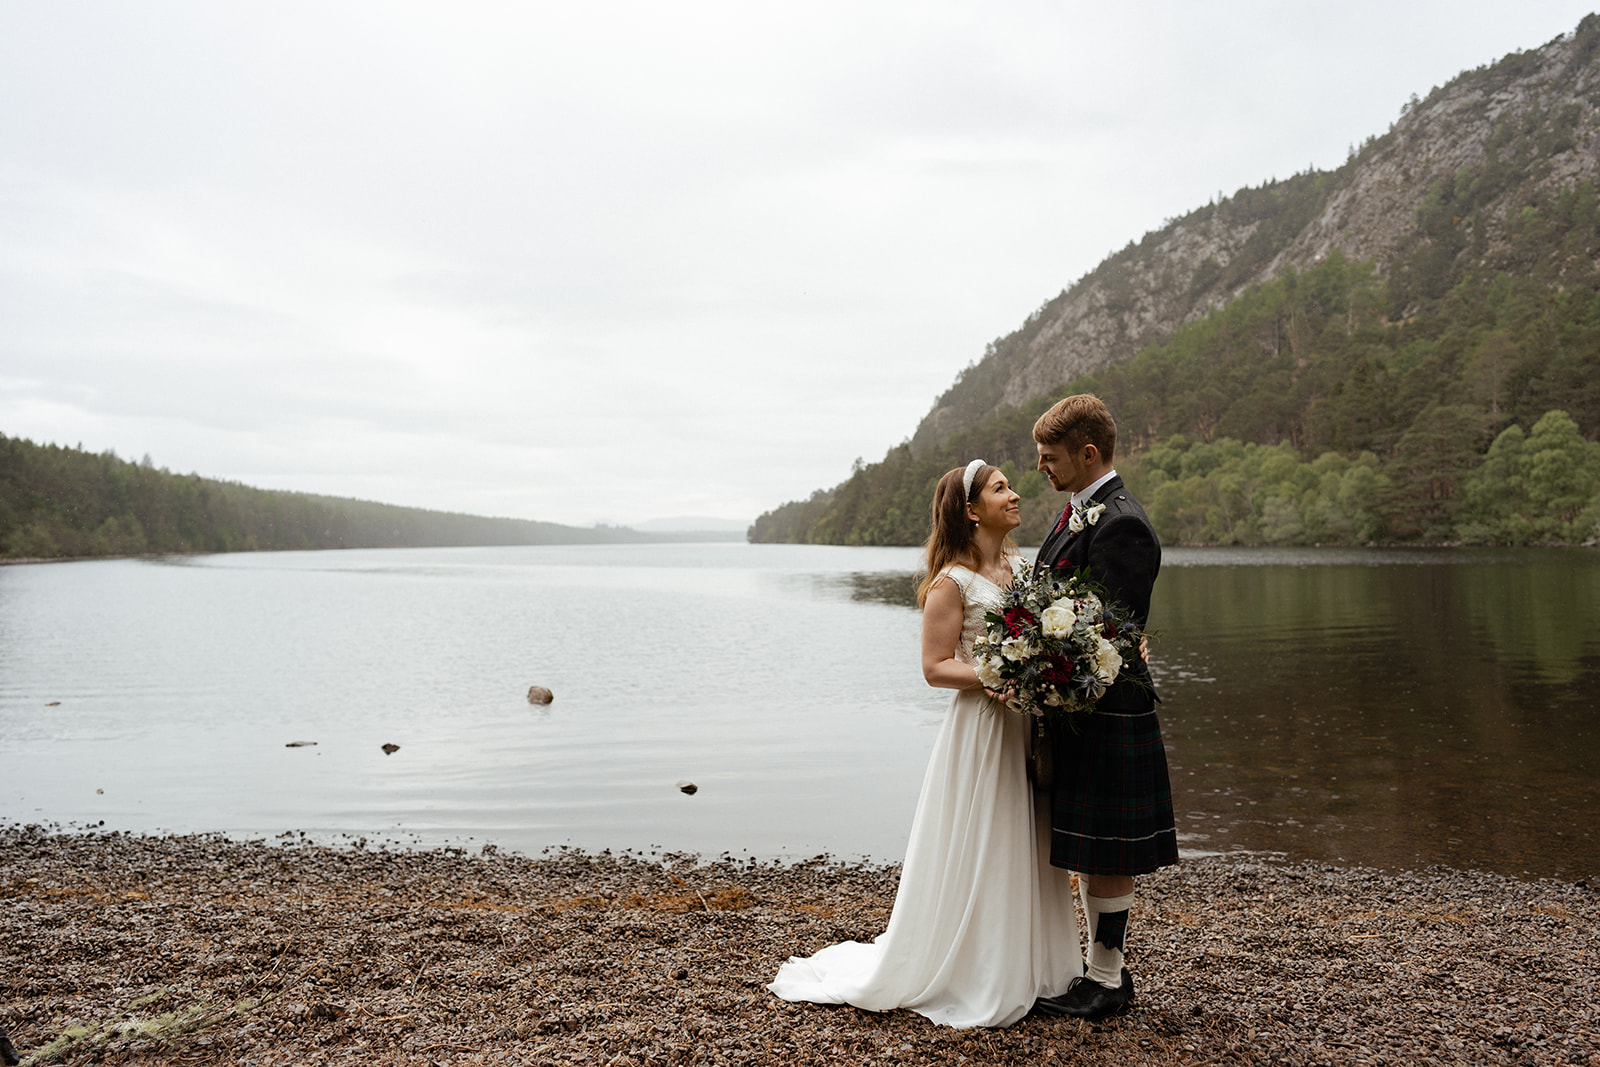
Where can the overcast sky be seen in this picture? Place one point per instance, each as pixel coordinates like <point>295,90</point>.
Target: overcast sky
<point>616,261</point>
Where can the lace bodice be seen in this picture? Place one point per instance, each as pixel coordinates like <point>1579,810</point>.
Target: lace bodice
<point>979,596</point>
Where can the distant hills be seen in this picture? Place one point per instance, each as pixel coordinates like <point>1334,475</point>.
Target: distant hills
<point>60,502</point>
<point>693,524</point>
<point>1416,314</point>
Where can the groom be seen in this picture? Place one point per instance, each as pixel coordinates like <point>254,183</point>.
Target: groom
<point>1111,802</point>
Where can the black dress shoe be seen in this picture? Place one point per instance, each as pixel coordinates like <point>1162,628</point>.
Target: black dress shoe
<point>1054,1005</point>
<point>1087,999</point>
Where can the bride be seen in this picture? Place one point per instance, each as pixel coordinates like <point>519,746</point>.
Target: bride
<point>982,925</point>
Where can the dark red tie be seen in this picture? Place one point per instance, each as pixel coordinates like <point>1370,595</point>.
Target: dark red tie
<point>1066,513</point>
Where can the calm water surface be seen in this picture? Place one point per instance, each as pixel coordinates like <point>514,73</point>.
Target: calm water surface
<point>1391,708</point>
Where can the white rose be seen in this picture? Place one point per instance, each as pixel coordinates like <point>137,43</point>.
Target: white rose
<point>1016,649</point>
<point>1106,662</point>
<point>989,673</point>
<point>1058,619</point>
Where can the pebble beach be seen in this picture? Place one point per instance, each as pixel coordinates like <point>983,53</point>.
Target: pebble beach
<point>204,950</point>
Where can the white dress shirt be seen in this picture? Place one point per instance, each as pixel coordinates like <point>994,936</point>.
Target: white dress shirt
<point>1093,488</point>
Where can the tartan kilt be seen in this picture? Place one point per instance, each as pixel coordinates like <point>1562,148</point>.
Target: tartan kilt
<point>1111,805</point>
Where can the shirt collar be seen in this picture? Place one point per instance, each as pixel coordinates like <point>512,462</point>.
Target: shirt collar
<point>1093,487</point>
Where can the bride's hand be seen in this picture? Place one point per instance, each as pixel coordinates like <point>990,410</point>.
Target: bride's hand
<point>1144,650</point>
<point>998,696</point>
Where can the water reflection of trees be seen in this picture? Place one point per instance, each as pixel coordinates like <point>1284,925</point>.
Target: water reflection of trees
<point>898,588</point>
<point>1394,714</point>
<point>1541,617</point>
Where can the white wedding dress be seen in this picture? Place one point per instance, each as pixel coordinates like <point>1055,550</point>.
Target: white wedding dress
<point>982,924</point>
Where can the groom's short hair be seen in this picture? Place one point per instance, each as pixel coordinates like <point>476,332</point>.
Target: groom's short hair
<point>1077,421</point>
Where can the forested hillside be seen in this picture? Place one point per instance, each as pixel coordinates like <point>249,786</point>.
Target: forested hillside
<point>1407,348</point>
<point>63,502</point>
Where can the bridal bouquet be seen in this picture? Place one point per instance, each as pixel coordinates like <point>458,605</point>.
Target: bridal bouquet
<point>1059,642</point>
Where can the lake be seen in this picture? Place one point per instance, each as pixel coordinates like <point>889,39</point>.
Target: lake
<point>1386,707</point>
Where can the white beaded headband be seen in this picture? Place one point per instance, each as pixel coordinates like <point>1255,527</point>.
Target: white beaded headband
<point>970,473</point>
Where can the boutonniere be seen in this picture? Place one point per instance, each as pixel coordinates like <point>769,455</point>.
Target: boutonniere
<point>1082,517</point>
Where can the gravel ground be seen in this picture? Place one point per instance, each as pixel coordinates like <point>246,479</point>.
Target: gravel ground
<point>122,949</point>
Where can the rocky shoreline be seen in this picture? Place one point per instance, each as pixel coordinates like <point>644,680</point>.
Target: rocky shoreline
<point>201,950</point>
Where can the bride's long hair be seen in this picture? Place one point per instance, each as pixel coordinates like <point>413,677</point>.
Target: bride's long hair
<point>951,539</point>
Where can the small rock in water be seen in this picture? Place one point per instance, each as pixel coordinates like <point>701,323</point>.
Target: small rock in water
<point>688,787</point>
<point>53,704</point>
<point>538,694</point>
<point>390,749</point>
<point>299,744</point>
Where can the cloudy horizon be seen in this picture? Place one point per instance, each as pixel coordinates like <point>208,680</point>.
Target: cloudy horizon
<point>620,263</point>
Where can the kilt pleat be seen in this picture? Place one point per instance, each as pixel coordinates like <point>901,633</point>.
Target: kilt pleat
<point>1111,808</point>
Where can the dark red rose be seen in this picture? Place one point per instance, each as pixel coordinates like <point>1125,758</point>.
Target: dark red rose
<point>1017,620</point>
<point>1057,671</point>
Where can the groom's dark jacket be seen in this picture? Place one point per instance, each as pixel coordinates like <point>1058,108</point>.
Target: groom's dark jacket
<point>1123,554</point>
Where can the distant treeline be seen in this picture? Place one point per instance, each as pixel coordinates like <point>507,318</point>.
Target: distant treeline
<point>64,502</point>
<point>1533,487</point>
<point>1327,406</point>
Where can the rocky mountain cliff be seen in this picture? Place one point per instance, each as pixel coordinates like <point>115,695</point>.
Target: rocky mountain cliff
<point>1497,139</point>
